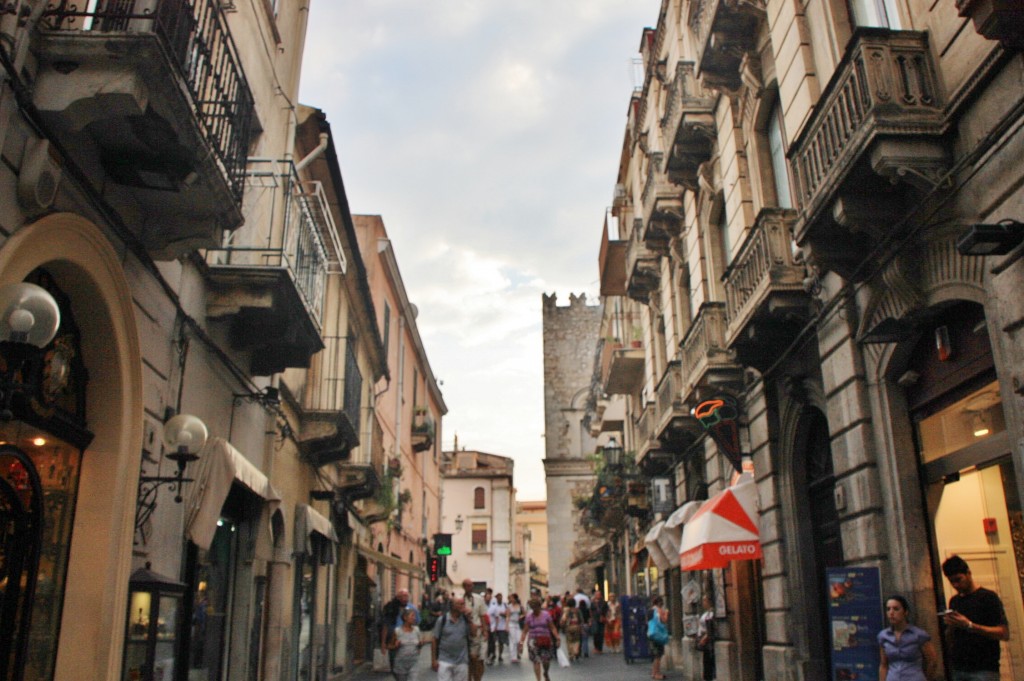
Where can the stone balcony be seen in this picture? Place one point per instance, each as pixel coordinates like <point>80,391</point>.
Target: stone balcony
<point>765,298</point>
<point>150,98</point>
<point>421,434</point>
<point>269,281</point>
<point>706,364</point>
<point>611,261</point>
<point>642,265</point>
<point>1001,20</point>
<point>872,148</point>
<point>609,415</point>
<point>647,443</point>
<point>662,206</point>
<point>724,30</point>
<point>674,426</point>
<point>331,404</point>
<point>622,368</point>
<point>687,128</point>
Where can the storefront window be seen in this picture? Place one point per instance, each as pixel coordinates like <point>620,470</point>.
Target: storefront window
<point>57,464</point>
<point>211,614</point>
<point>305,606</point>
<point>973,502</point>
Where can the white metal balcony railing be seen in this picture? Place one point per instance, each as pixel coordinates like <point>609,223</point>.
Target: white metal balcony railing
<point>307,245</point>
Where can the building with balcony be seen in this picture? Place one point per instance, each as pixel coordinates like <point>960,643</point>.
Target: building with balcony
<point>817,218</point>
<point>191,226</point>
<point>408,412</point>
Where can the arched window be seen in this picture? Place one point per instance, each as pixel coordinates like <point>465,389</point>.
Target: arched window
<point>478,497</point>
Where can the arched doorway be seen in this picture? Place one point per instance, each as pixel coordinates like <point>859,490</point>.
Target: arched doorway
<point>79,259</point>
<point>819,544</point>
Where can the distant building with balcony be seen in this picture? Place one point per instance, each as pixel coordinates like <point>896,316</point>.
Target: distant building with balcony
<point>407,417</point>
<point>818,213</point>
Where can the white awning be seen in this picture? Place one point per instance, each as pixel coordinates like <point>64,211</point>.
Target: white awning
<point>219,466</point>
<point>671,534</point>
<point>725,528</point>
<point>654,548</point>
<point>396,564</point>
<point>309,521</point>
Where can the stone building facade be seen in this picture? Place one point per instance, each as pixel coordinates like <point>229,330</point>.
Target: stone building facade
<point>189,219</point>
<point>569,334</point>
<point>800,188</point>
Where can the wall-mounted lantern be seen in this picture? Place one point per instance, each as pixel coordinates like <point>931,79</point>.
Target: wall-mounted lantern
<point>184,435</point>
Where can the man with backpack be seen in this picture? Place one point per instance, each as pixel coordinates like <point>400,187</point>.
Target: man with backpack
<point>449,650</point>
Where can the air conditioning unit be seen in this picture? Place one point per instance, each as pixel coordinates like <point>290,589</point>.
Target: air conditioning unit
<point>39,177</point>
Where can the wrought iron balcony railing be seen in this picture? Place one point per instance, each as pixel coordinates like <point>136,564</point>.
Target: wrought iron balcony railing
<point>335,383</point>
<point>195,36</point>
<point>307,246</point>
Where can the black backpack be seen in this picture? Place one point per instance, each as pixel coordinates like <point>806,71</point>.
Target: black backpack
<point>584,611</point>
<point>444,620</point>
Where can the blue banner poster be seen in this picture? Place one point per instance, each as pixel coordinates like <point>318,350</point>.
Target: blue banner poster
<point>855,618</point>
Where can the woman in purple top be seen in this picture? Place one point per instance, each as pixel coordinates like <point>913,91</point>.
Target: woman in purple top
<point>907,651</point>
<point>539,628</point>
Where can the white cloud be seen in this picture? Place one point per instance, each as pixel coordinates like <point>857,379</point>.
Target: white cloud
<point>486,133</point>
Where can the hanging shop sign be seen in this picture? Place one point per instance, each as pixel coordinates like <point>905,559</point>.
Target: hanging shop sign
<point>720,418</point>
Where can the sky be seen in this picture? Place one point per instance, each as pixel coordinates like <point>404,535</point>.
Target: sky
<point>487,135</point>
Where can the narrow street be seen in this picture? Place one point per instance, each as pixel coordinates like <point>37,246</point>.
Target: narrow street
<point>605,667</point>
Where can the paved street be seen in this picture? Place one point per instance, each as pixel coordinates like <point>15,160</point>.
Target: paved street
<point>607,667</point>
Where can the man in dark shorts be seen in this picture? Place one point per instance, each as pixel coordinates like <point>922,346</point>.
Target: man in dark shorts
<point>975,624</point>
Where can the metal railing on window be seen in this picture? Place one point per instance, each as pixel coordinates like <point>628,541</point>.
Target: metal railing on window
<point>196,37</point>
<point>300,246</point>
<point>335,383</point>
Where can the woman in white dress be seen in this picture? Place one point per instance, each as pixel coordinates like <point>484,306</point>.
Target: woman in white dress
<point>515,617</point>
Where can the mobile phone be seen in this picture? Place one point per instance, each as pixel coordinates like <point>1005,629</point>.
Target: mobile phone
<point>943,613</point>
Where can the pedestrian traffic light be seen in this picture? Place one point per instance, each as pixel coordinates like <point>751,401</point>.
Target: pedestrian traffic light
<point>434,568</point>
<point>443,544</point>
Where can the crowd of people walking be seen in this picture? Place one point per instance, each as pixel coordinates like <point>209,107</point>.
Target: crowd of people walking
<point>468,632</point>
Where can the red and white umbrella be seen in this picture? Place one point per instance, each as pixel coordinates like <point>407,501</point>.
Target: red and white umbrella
<point>723,529</point>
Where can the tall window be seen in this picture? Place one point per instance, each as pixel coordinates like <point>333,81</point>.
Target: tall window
<point>723,236</point>
<point>478,497</point>
<point>479,538</point>
<point>777,149</point>
<point>879,13</point>
<point>387,326</point>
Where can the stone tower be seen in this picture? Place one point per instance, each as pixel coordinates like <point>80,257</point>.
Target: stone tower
<point>570,338</point>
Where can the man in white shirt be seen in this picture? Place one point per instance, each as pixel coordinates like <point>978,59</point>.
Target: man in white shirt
<point>498,614</point>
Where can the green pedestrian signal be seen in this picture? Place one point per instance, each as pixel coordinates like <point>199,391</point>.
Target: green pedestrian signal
<point>442,544</point>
